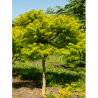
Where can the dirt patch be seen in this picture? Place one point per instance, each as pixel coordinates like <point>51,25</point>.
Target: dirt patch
<point>24,89</point>
<point>28,88</point>
<point>39,63</point>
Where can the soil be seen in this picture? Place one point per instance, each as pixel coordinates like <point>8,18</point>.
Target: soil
<point>30,88</point>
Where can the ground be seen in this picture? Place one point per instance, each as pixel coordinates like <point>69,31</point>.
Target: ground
<point>30,88</point>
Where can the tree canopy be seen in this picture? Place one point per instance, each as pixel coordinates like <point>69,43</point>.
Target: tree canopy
<point>37,35</point>
<point>34,31</point>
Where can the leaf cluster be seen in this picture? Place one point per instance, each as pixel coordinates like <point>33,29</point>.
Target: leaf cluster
<point>75,54</point>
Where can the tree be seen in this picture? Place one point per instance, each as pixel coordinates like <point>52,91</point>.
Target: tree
<point>57,10</point>
<point>50,10</point>
<point>34,34</point>
<point>75,8</point>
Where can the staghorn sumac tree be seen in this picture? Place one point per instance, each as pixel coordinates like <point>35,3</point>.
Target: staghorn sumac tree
<point>34,36</point>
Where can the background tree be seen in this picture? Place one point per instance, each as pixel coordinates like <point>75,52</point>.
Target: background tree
<point>56,10</point>
<point>34,34</point>
<point>75,8</point>
<point>50,10</point>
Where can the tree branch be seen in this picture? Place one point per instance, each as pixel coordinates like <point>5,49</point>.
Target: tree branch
<point>53,37</point>
<point>16,51</point>
<point>15,59</point>
<point>14,55</point>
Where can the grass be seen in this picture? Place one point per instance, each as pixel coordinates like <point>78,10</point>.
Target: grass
<point>53,59</point>
<point>54,76</point>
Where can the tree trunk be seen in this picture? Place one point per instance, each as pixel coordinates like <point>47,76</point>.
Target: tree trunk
<point>43,77</point>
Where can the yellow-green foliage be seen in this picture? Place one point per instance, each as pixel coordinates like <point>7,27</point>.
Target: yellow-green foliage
<point>75,54</point>
<point>66,92</point>
<point>19,77</point>
<point>34,29</point>
<point>73,84</point>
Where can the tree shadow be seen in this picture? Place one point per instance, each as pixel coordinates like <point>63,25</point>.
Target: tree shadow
<point>28,84</point>
<point>61,78</point>
<point>29,78</point>
<point>32,77</point>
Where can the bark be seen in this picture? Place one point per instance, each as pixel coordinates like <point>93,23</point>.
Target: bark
<point>53,37</point>
<point>43,77</point>
<point>15,59</point>
<point>14,56</point>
